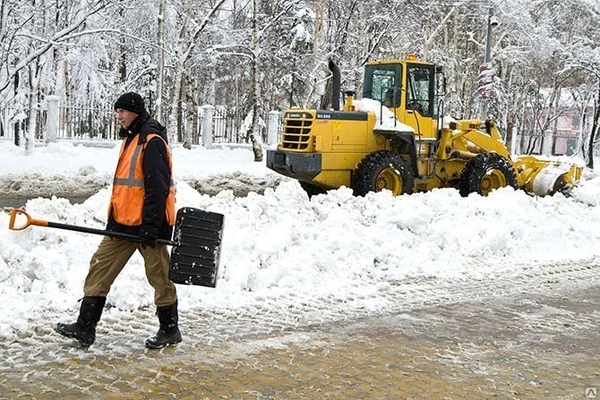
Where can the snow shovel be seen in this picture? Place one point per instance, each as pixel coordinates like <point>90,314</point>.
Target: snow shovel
<point>196,243</point>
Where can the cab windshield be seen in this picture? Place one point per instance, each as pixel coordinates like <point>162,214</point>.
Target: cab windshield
<point>383,83</point>
<point>420,90</point>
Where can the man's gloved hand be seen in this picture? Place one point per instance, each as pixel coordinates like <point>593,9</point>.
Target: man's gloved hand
<point>147,242</point>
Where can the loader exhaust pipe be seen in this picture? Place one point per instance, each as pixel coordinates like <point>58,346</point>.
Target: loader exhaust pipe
<point>335,85</point>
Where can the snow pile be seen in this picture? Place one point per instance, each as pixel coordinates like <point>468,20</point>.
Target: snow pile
<point>588,192</point>
<point>386,120</point>
<point>282,249</point>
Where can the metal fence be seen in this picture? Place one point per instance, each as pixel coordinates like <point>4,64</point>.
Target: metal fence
<point>226,126</point>
<point>93,122</point>
<point>225,129</point>
<point>86,122</point>
<point>74,122</point>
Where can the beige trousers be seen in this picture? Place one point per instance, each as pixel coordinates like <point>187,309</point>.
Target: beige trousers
<point>110,258</point>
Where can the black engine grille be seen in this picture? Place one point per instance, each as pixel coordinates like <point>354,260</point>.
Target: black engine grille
<point>296,132</point>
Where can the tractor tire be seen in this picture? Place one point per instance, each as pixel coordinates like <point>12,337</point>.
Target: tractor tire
<point>383,170</point>
<point>486,172</point>
<point>312,190</point>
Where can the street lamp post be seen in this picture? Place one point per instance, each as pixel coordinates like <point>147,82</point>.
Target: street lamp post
<point>486,72</point>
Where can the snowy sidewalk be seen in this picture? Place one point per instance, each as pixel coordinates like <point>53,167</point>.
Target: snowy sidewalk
<point>531,338</point>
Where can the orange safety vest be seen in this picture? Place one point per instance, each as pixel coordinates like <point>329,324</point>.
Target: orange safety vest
<point>127,200</point>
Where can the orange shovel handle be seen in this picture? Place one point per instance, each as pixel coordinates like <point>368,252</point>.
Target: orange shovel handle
<point>39,222</point>
<point>28,220</point>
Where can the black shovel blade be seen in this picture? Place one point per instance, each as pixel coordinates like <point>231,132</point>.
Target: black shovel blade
<point>195,257</point>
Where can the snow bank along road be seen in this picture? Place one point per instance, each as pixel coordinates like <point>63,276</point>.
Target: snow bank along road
<point>17,189</point>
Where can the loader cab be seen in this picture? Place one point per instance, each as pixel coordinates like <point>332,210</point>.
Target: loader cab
<point>407,88</point>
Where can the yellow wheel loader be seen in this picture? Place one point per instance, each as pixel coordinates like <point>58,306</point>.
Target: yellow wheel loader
<point>393,139</point>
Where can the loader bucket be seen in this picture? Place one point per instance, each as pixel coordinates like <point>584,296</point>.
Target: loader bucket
<point>545,177</point>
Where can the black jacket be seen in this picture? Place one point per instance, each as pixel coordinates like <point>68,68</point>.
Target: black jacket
<point>157,179</point>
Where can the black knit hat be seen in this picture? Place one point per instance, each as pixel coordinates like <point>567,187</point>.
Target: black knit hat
<point>131,101</point>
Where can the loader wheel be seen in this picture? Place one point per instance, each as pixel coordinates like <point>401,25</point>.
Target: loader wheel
<point>487,172</point>
<point>383,170</point>
<point>312,190</point>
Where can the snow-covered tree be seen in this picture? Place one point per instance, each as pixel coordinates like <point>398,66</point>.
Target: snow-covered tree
<point>255,56</point>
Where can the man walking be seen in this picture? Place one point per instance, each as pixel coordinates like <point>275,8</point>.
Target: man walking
<point>142,204</point>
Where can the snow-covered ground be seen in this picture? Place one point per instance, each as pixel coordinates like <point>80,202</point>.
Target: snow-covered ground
<point>280,249</point>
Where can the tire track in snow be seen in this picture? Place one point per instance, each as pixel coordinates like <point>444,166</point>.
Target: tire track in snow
<point>122,333</point>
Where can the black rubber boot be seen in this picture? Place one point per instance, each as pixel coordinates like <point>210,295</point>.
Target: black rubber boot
<point>84,330</point>
<point>168,333</point>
